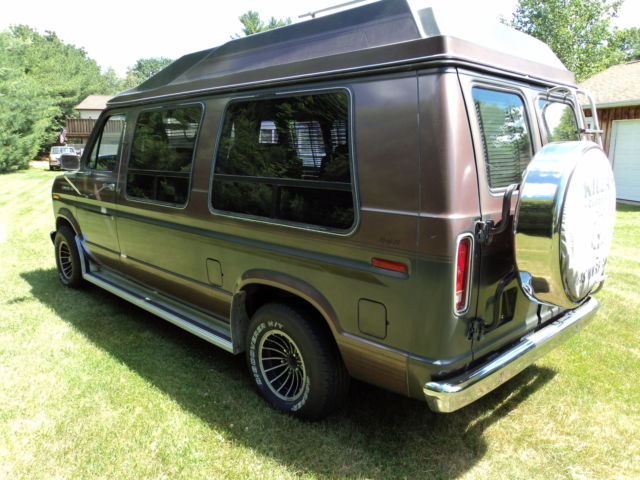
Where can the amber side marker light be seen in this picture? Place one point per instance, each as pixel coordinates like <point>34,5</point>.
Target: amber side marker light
<point>56,196</point>
<point>389,265</point>
<point>463,261</point>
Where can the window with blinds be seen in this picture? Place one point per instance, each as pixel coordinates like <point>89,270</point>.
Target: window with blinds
<point>287,159</point>
<point>505,135</point>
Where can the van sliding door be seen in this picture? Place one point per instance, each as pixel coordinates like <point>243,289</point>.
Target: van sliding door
<point>158,241</point>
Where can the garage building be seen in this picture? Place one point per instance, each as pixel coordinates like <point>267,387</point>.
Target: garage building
<point>617,95</point>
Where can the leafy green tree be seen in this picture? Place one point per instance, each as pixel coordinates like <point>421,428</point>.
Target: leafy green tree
<point>252,23</point>
<point>64,71</point>
<point>578,31</point>
<point>629,42</point>
<point>22,106</point>
<point>566,130</point>
<point>142,70</point>
<point>41,81</point>
<point>112,81</point>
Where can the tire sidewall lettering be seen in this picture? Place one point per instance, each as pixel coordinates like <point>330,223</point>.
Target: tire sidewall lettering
<point>305,396</point>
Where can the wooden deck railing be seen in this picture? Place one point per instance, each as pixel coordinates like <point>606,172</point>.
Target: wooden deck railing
<point>82,127</point>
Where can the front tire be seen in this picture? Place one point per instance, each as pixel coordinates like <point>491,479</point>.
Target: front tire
<point>68,258</point>
<point>294,362</point>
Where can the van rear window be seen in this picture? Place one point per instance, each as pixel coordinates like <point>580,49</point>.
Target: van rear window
<point>287,159</point>
<point>162,155</point>
<point>505,135</point>
<point>559,121</point>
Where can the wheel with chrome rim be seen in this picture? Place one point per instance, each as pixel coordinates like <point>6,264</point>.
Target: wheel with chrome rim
<point>294,361</point>
<point>67,258</point>
<point>282,366</point>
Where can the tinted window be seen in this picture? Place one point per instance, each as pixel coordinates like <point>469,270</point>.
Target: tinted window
<point>105,153</point>
<point>287,159</point>
<point>505,135</point>
<point>559,121</point>
<point>162,155</point>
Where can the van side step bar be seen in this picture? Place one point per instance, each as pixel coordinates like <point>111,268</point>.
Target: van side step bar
<point>204,326</point>
<point>163,311</point>
<point>452,394</point>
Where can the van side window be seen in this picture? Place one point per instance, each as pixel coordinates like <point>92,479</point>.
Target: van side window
<point>162,155</point>
<point>105,153</point>
<point>287,159</point>
<point>559,121</point>
<point>505,135</point>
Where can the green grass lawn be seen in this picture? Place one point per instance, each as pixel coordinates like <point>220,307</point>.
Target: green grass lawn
<point>92,387</point>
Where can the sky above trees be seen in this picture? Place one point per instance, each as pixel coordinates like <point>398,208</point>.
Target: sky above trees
<point>170,29</point>
<point>44,73</point>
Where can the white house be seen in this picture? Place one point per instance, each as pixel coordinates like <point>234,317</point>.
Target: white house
<point>92,106</point>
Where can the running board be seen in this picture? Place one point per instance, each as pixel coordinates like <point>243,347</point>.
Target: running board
<point>154,302</point>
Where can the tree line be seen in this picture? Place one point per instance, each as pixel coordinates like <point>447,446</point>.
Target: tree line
<point>580,32</point>
<point>42,79</point>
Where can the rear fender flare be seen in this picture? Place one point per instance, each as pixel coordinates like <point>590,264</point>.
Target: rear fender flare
<point>294,286</point>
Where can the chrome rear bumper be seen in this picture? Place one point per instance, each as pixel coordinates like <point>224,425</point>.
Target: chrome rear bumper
<point>454,393</point>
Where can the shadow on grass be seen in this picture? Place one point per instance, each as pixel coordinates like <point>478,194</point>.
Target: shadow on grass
<point>628,207</point>
<point>377,434</point>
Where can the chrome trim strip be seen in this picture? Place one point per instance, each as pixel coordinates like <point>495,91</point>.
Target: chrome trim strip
<point>454,393</point>
<point>81,253</point>
<point>445,216</point>
<point>161,312</point>
<point>389,211</point>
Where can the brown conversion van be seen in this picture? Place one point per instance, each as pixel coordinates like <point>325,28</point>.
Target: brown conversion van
<point>381,193</point>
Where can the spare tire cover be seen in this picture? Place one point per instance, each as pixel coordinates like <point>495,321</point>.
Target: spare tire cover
<point>564,223</point>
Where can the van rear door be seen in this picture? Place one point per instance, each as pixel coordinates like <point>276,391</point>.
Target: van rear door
<point>504,142</point>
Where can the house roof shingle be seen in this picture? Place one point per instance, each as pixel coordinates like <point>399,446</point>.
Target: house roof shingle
<point>94,102</point>
<point>617,85</point>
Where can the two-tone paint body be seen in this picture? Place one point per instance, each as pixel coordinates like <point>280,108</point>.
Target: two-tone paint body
<point>419,185</point>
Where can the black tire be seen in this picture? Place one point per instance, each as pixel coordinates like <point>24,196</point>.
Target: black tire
<point>294,362</point>
<point>68,258</point>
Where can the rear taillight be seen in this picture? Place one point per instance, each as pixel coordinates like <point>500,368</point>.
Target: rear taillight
<point>463,267</point>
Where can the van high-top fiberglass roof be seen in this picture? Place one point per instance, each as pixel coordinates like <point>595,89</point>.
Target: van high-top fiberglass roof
<point>389,34</point>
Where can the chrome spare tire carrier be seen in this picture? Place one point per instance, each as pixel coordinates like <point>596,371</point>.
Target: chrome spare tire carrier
<point>564,223</point>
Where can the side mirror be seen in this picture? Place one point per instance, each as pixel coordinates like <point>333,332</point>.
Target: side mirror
<point>70,161</point>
